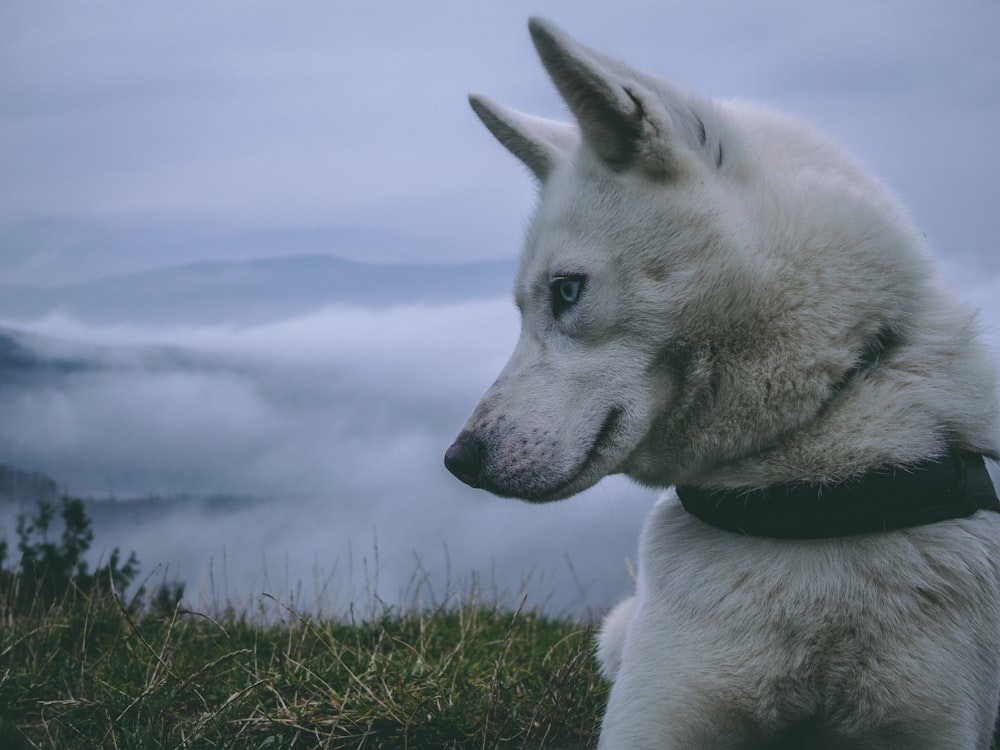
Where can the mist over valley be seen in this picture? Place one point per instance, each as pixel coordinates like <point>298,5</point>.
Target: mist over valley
<point>253,438</point>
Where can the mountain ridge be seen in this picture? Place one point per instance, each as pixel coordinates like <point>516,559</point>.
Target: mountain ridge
<point>255,290</point>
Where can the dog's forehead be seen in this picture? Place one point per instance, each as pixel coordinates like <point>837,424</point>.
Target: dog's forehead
<point>584,214</point>
<point>581,204</point>
<point>560,235</point>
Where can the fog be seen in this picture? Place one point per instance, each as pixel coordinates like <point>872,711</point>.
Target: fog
<point>332,428</point>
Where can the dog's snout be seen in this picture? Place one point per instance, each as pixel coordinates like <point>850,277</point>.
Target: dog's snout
<point>464,458</point>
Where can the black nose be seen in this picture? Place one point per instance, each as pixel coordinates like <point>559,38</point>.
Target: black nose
<point>464,458</point>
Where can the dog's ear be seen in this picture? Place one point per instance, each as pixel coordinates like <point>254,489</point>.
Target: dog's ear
<point>620,116</point>
<point>541,144</point>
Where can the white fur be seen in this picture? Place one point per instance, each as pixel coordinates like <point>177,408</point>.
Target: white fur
<point>734,267</point>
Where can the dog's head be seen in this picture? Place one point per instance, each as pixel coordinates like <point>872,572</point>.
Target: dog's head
<point>665,326</point>
<point>603,277</point>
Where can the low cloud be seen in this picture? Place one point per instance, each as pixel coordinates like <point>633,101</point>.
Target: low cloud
<point>288,406</point>
<point>336,422</point>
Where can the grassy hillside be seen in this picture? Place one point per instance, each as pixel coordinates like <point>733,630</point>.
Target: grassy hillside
<point>87,673</point>
<point>80,668</point>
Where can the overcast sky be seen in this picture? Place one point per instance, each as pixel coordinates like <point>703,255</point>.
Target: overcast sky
<point>191,121</point>
<point>266,114</point>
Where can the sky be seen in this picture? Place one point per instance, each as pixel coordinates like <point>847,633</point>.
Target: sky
<point>222,116</point>
<point>135,137</point>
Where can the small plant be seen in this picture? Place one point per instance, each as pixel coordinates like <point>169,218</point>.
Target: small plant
<point>52,568</point>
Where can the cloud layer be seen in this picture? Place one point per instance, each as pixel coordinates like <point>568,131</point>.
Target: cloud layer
<point>339,419</point>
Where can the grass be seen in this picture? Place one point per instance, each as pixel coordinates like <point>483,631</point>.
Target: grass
<point>87,672</point>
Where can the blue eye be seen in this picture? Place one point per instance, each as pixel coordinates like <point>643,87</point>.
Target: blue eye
<point>569,290</point>
<point>565,292</point>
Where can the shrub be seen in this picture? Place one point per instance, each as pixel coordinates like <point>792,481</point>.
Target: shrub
<point>48,572</point>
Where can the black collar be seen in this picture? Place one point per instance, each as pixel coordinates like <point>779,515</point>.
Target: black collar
<point>890,497</point>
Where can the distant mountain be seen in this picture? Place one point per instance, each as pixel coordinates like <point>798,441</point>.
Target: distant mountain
<point>22,359</point>
<point>14,355</point>
<point>59,251</point>
<point>17,485</point>
<point>251,291</point>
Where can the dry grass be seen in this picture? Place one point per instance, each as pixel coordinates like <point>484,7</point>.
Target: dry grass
<point>87,673</point>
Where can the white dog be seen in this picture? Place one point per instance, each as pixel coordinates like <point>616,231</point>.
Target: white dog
<point>717,298</point>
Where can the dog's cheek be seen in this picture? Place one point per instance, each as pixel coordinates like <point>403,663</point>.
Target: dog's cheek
<point>679,388</point>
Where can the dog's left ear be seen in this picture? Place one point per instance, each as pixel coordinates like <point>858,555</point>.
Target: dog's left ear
<point>541,144</point>
<point>620,116</point>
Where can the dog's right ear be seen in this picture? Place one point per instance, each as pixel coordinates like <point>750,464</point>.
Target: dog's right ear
<point>541,144</point>
<point>626,117</point>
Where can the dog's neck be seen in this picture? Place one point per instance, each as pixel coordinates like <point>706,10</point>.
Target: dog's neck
<point>884,499</point>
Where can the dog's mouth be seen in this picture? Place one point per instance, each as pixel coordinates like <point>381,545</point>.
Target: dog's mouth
<point>602,441</point>
<point>468,460</point>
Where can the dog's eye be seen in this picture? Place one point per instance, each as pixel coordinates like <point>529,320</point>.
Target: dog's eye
<point>565,292</point>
